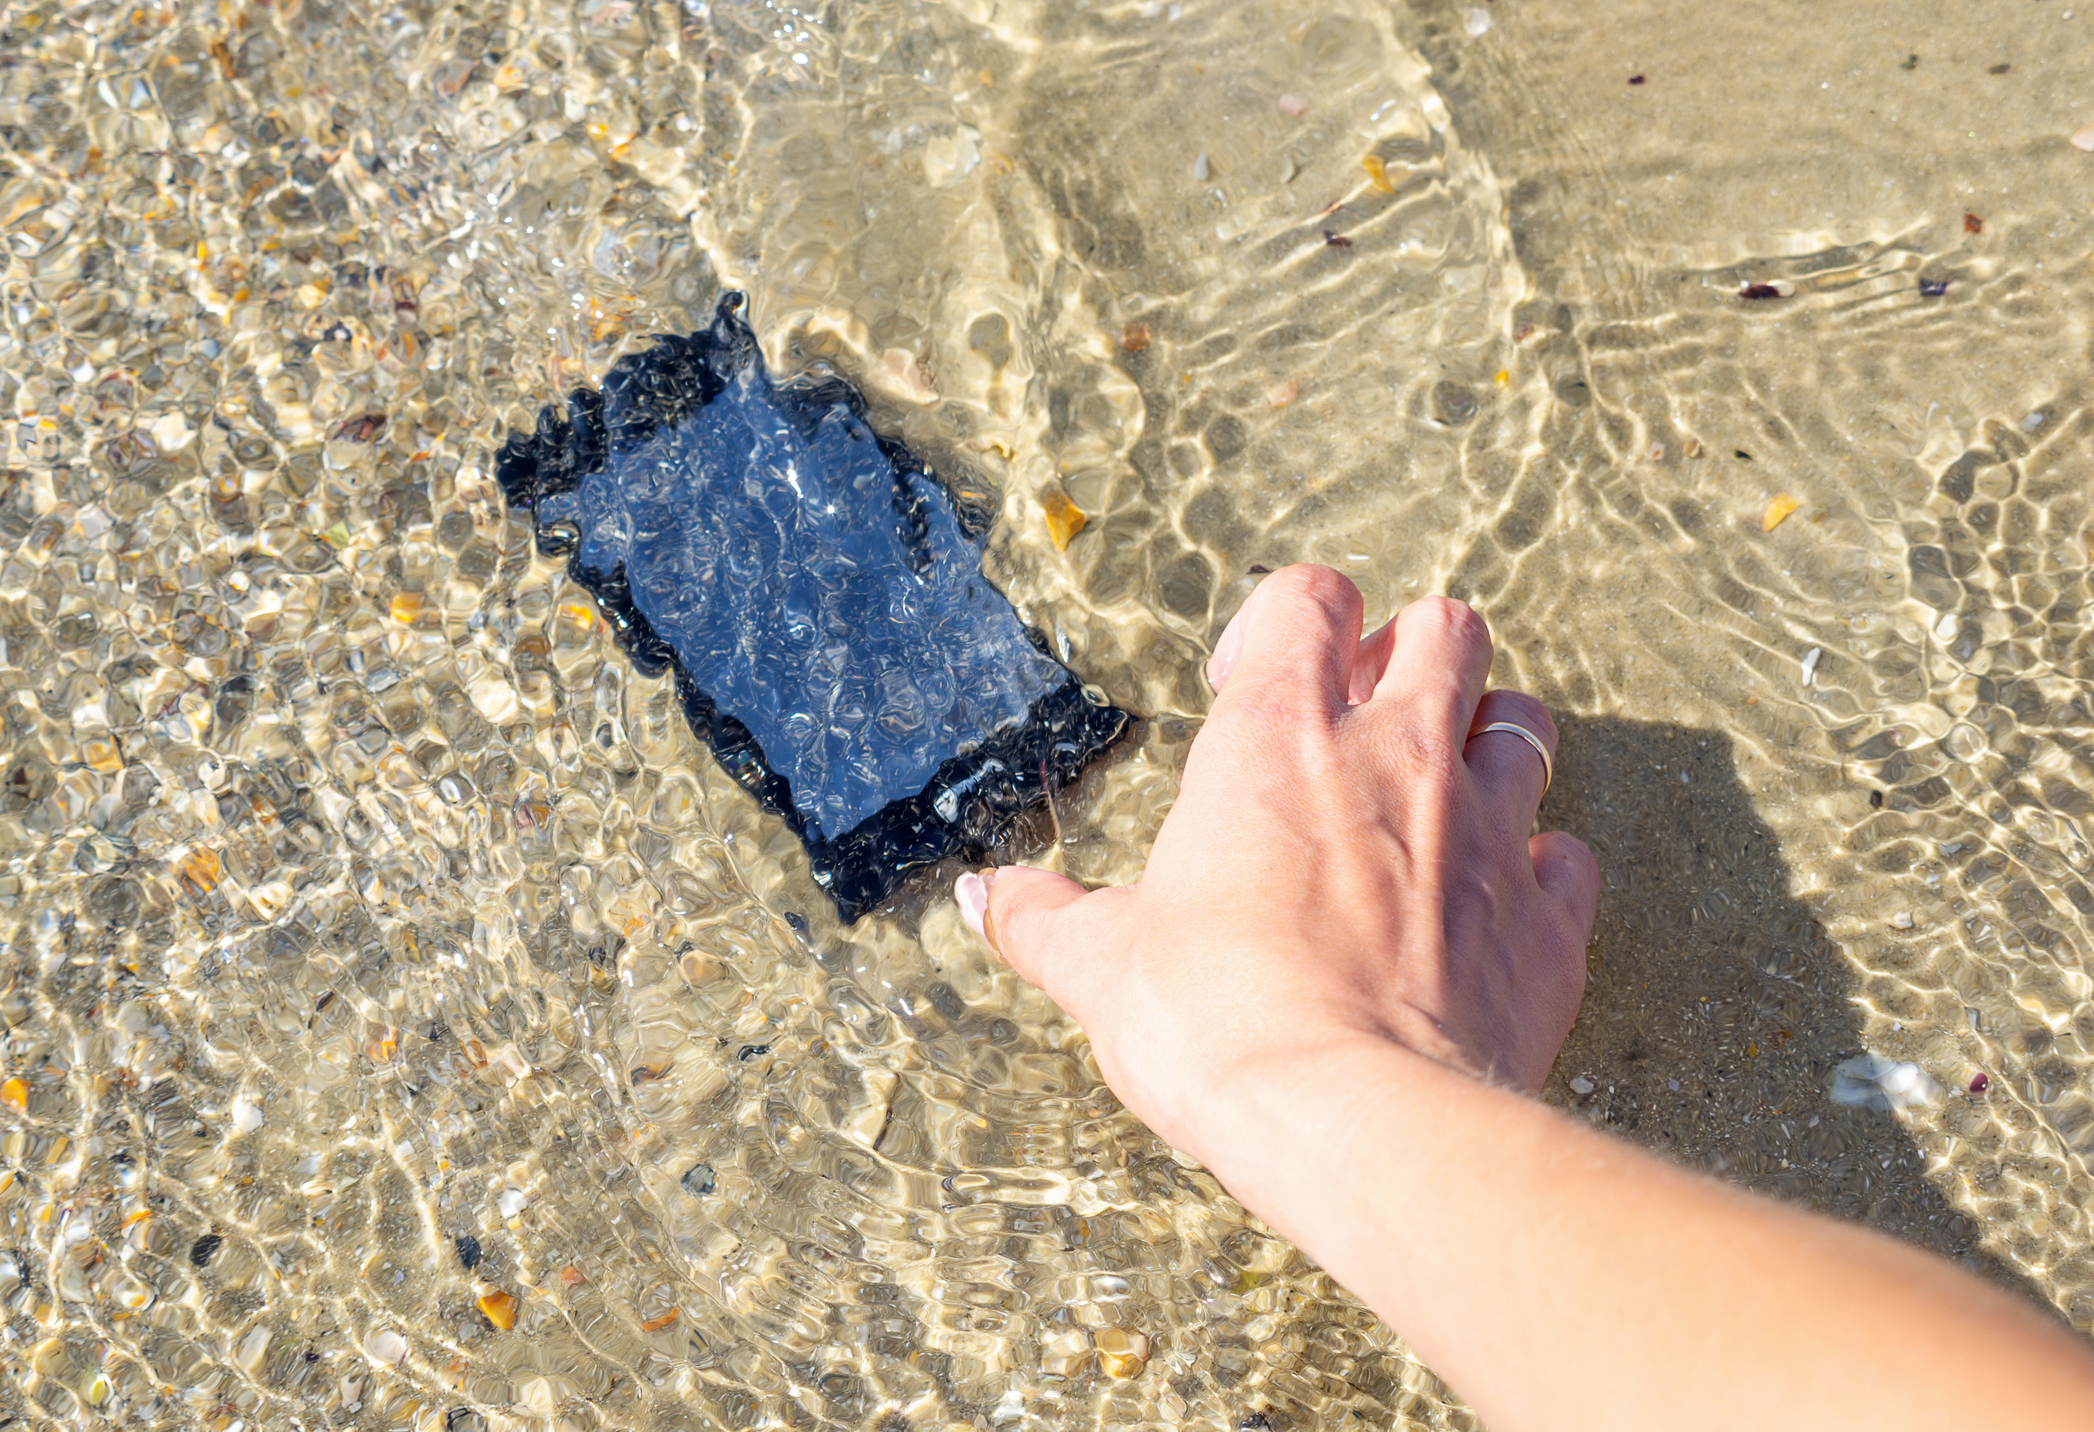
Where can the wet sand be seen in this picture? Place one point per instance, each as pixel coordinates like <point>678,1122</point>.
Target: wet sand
<point>415,1028</point>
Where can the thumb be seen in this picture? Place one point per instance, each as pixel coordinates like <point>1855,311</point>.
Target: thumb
<point>1016,909</point>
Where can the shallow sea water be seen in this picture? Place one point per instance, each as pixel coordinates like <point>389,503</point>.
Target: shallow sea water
<point>409,1027</point>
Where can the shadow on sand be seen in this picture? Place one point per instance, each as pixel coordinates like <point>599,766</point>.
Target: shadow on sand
<point>1716,1006</point>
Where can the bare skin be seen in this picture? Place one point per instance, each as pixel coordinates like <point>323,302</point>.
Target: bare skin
<point>1344,972</point>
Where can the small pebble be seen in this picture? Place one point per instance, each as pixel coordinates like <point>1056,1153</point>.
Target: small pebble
<point>247,1115</point>
<point>1121,1351</point>
<point>1135,338</point>
<point>1582,1085</point>
<point>1202,170</point>
<point>1902,920</point>
<point>1810,664</point>
<point>1292,106</point>
<point>2084,140</point>
<point>1477,22</point>
<point>1979,1083</point>
<point>1933,287</point>
<point>1064,518</point>
<point>1281,394</point>
<point>499,1308</point>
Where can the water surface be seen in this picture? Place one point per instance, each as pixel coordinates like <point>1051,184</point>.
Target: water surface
<point>359,897</point>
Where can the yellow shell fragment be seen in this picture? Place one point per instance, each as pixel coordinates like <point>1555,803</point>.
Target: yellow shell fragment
<point>406,607</point>
<point>15,1094</point>
<point>1064,518</point>
<point>1378,172</point>
<point>657,1324</point>
<point>202,869</point>
<point>500,1308</point>
<point>1778,511</point>
<point>1121,1351</point>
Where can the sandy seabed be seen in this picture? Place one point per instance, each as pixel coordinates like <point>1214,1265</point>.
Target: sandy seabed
<point>408,1026</point>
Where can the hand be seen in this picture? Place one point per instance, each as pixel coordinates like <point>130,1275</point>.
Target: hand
<point>1346,862</point>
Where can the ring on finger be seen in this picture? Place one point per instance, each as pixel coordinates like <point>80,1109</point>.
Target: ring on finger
<point>1548,767</point>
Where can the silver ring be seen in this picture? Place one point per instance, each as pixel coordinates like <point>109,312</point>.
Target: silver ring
<point>1548,767</point>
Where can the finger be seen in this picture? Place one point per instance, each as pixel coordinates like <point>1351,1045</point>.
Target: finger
<point>1371,662</point>
<point>1565,869</point>
<point>1230,645</point>
<point>1299,630</point>
<point>1437,671</point>
<point>1014,909</point>
<point>1510,774</point>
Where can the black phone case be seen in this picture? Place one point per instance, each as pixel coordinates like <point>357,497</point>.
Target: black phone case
<point>819,595</point>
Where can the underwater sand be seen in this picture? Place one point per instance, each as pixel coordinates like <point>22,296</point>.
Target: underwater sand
<point>365,916</point>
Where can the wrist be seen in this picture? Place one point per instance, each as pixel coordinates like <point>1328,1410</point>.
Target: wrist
<point>1277,1125</point>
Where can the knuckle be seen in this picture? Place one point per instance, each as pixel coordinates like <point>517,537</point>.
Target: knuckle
<point>1519,706</point>
<point>1457,620</point>
<point>1323,587</point>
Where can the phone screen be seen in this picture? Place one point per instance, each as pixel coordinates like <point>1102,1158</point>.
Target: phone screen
<point>820,596</point>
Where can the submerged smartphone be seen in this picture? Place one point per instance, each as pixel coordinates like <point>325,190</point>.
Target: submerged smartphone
<point>820,597</point>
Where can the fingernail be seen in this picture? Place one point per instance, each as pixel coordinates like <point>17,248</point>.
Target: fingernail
<point>1227,649</point>
<point>972,892</point>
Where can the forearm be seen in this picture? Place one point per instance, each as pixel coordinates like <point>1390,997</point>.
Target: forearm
<point>1564,1280</point>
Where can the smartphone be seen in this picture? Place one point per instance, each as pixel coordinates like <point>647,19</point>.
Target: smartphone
<point>818,593</point>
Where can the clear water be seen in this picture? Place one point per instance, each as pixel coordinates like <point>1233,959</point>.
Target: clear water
<point>359,898</point>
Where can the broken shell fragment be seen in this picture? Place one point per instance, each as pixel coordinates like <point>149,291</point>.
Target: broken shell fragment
<point>1870,1081</point>
<point>499,1308</point>
<point>1064,518</point>
<point>1121,1351</point>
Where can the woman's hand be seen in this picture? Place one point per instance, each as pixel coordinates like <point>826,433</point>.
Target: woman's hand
<point>1347,861</point>
<point>1346,945</point>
